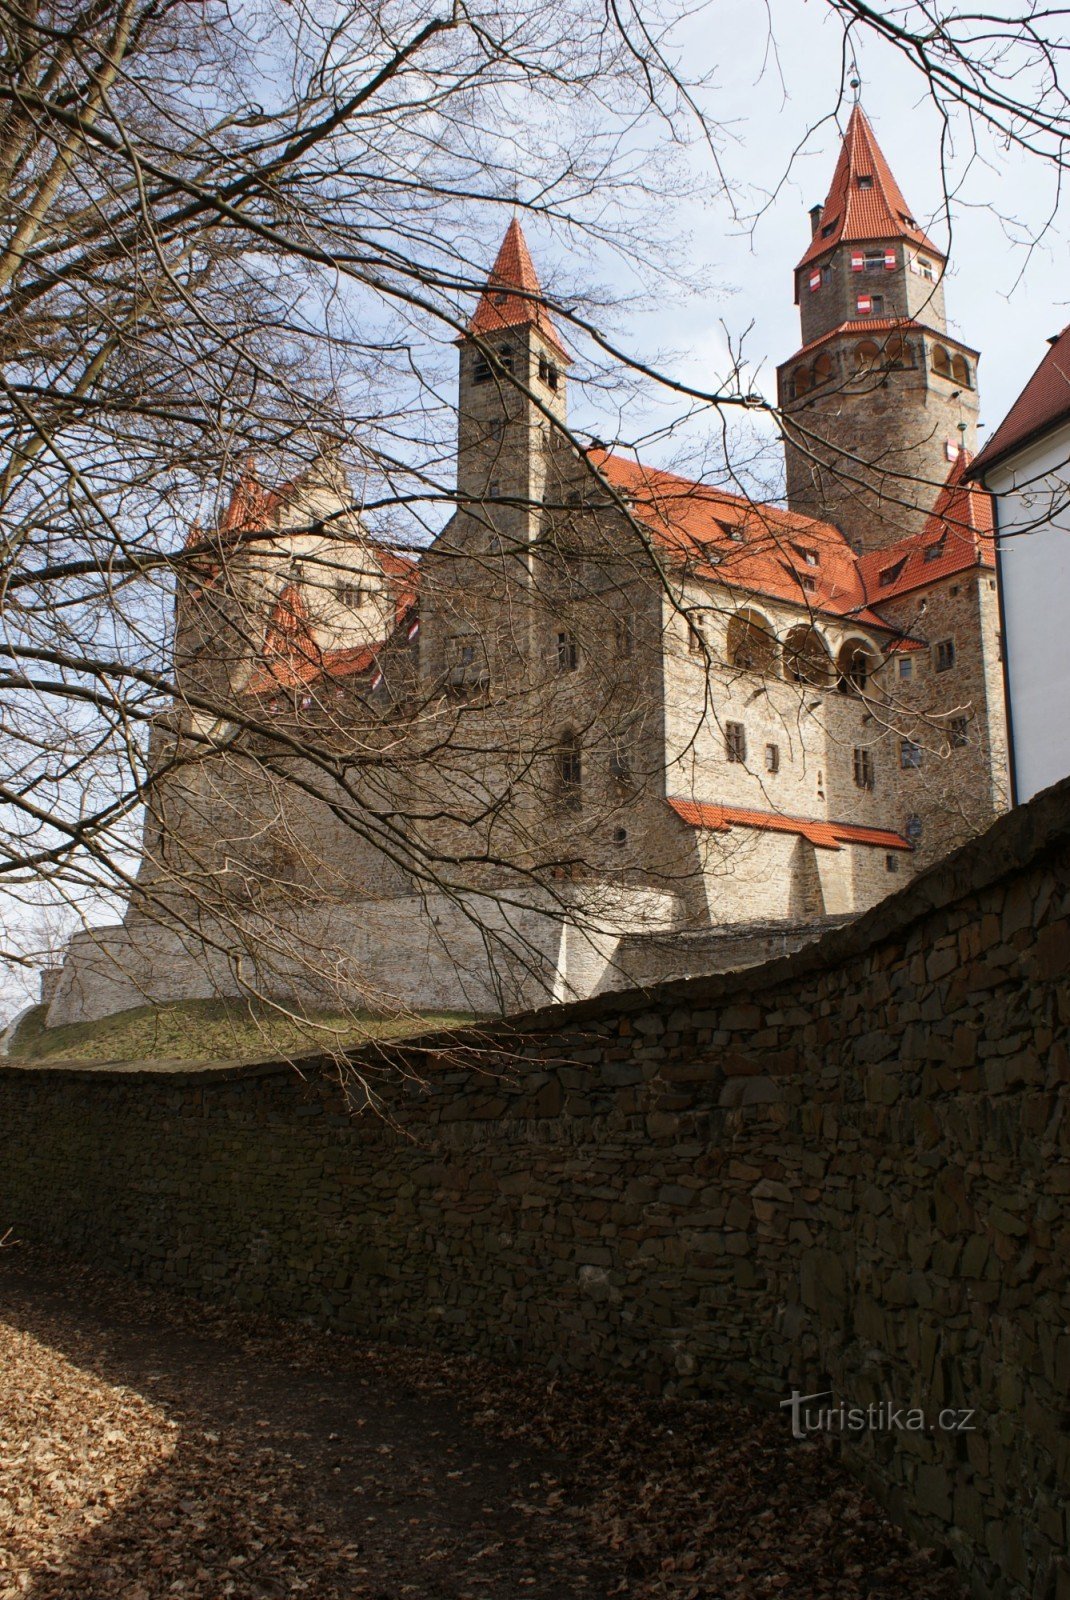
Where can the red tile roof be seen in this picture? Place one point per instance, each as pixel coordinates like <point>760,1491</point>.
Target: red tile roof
<point>1043,402</point>
<point>827,835</point>
<point>873,213</point>
<point>873,325</point>
<point>757,548</point>
<point>498,308</point>
<point>958,535</point>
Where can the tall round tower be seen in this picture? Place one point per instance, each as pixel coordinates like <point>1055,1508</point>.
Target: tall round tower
<point>880,396</point>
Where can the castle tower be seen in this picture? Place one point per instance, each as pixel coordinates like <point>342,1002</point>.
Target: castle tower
<point>880,396</point>
<point>513,379</point>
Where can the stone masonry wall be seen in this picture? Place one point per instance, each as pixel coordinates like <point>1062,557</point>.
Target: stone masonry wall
<point>847,1170</point>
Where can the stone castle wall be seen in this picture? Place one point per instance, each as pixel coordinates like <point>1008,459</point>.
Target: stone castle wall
<point>848,1170</point>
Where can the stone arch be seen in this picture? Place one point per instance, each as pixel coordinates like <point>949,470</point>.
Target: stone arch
<point>856,662</point>
<point>960,371</point>
<point>801,380</point>
<point>806,657</point>
<point>897,352</point>
<point>822,372</point>
<point>751,642</point>
<point>941,361</point>
<point>867,355</point>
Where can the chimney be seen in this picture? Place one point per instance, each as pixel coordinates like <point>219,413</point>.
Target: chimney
<point>815,218</point>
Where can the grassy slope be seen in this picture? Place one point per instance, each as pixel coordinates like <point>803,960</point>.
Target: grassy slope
<point>204,1030</point>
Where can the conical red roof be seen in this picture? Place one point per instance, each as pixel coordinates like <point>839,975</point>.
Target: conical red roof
<point>498,308</point>
<point>867,210</point>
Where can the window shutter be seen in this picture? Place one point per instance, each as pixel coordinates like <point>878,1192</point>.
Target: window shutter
<point>815,281</point>
<point>889,260</point>
<point>865,305</point>
<point>858,261</point>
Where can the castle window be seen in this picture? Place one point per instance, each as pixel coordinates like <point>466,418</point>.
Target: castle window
<point>547,373</point>
<point>772,758</point>
<point>873,261</point>
<point>865,180</point>
<point>906,669</point>
<point>570,771</point>
<point>909,754</point>
<point>867,355</point>
<point>620,764</point>
<point>822,370</point>
<point>806,658</point>
<point>889,574</point>
<point>934,551</point>
<point>620,837</point>
<point>505,356</point>
<point>810,556</point>
<point>735,741</point>
<point>732,530</point>
<point>696,633</point>
<point>496,428</point>
<point>891,863</point>
<point>750,643</point>
<point>897,352</point>
<point>923,268</point>
<point>959,733</point>
<point>960,370</point>
<point>349,593</point>
<point>877,303</point>
<point>863,761</point>
<point>480,368</point>
<point>945,655</point>
<point>829,229</point>
<point>802,379</point>
<point>568,653</point>
<point>941,361</point>
<point>853,665</point>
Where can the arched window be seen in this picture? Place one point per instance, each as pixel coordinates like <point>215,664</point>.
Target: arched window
<point>751,643</point>
<point>806,657</point>
<point>867,355</point>
<point>570,771</point>
<point>897,352</point>
<point>960,370</point>
<point>941,361</point>
<point>801,380</point>
<point>822,369</point>
<point>854,666</point>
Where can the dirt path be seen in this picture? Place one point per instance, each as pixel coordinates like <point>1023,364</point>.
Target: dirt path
<point>151,1447</point>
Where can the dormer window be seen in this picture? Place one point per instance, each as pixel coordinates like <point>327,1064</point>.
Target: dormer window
<point>811,557</point>
<point>865,180</point>
<point>889,574</point>
<point>500,297</point>
<point>935,551</point>
<point>829,229</point>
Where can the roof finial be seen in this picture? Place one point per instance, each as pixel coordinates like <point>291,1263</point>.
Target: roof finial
<point>856,78</point>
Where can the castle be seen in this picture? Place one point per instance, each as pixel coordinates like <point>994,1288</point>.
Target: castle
<point>613,722</point>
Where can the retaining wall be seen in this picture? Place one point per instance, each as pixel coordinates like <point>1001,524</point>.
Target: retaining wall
<point>844,1170</point>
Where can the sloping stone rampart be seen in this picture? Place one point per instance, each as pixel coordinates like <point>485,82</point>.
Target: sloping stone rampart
<point>846,1170</point>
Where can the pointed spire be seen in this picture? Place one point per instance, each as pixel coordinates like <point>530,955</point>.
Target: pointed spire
<point>864,201</point>
<point>499,308</point>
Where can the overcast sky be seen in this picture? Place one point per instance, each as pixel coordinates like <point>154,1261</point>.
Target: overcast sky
<point>1006,292</point>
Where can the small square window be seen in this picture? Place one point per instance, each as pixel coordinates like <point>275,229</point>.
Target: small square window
<point>735,741</point>
<point>772,758</point>
<point>959,733</point>
<point>909,754</point>
<point>944,655</point>
<point>865,180</point>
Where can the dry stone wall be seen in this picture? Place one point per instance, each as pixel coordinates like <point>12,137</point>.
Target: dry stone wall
<point>846,1171</point>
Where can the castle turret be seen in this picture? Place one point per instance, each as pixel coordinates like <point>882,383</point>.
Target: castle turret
<point>880,396</point>
<point>512,380</point>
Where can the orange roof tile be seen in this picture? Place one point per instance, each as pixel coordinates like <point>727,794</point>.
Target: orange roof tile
<point>513,295</point>
<point>827,835</point>
<point>873,325</point>
<point>873,211</point>
<point>958,535</point>
<point>759,549</point>
<point>1043,402</point>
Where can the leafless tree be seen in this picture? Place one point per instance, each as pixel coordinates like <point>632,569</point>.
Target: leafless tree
<point>253,233</point>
